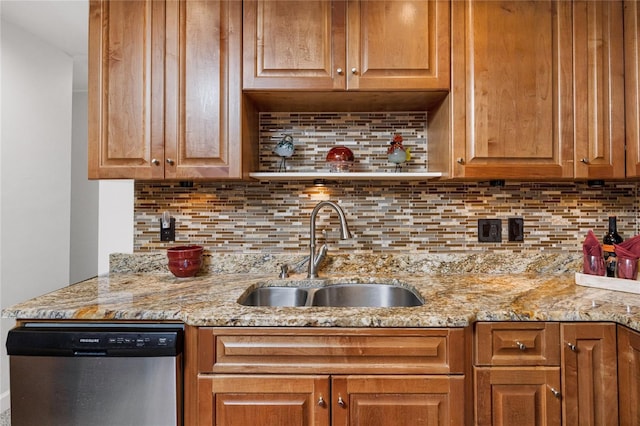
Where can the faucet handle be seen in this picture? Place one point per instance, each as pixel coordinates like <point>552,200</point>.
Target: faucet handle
<point>284,271</point>
<point>322,253</point>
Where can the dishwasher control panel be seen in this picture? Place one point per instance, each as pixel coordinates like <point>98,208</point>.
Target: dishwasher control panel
<point>92,340</point>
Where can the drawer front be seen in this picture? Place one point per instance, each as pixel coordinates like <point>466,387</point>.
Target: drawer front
<point>330,351</point>
<point>517,343</point>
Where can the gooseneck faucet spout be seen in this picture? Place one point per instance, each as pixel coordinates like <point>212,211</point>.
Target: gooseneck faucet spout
<point>314,259</point>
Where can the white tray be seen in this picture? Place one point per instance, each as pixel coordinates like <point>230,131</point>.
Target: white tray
<point>617,284</point>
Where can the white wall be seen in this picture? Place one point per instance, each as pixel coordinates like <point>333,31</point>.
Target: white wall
<point>83,259</point>
<point>35,172</point>
<point>115,220</point>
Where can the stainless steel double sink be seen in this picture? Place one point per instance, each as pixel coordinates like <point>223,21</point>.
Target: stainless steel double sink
<point>334,295</point>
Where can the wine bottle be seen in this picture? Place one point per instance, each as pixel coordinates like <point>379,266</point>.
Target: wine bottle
<point>612,237</point>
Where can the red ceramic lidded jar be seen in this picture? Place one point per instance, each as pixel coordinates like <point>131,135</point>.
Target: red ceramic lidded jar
<point>185,261</point>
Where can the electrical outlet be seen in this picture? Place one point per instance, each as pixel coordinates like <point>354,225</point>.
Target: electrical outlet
<point>168,234</point>
<point>516,229</point>
<point>489,230</point>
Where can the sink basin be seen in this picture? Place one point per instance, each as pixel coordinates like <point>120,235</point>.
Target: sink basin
<point>365,295</point>
<point>337,295</point>
<point>276,296</point>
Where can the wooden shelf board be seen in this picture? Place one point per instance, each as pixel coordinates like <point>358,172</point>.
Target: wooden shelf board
<point>302,176</point>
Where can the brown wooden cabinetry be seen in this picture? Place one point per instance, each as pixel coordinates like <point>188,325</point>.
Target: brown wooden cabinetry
<point>629,376</point>
<point>543,103</point>
<point>164,91</point>
<point>519,367</point>
<point>352,377</point>
<point>346,45</point>
<point>598,98</point>
<point>632,85</point>
<point>589,374</point>
<point>253,399</point>
<point>517,373</point>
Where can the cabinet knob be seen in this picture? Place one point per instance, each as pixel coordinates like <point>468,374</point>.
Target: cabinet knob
<point>573,347</point>
<point>339,70</point>
<point>170,162</point>
<point>584,161</point>
<point>555,392</point>
<point>155,162</point>
<point>321,401</point>
<point>341,402</point>
<point>354,70</point>
<point>521,346</point>
<point>460,160</point>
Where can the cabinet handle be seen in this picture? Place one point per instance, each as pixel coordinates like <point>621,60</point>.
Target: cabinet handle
<point>170,162</point>
<point>573,347</point>
<point>155,162</point>
<point>460,160</point>
<point>341,402</point>
<point>339,70</point>
<point>354,70</point>
<point>521,346</point>
<point>555,392</point>
<point>321,401</point>
<point>584,161</point>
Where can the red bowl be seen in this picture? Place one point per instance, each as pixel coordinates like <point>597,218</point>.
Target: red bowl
<point>185,261</point>
<point>339,153</point>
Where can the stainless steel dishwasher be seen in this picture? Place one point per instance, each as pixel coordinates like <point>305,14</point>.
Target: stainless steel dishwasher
<point>95,374</point>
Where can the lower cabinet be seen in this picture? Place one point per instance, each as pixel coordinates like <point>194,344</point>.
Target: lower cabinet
<point>257,400</point>
<point>532,373</point>
<point>504,373</point>
<point>322,377</point>
<point>367,400</point>
<point>589,374</point>
<point>629,376</point>
<point>517,395</point>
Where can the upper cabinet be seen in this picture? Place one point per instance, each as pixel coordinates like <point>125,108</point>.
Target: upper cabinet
<point>632,85</point>
<point>164,90</point>
<point>346,45</point>
<point>544,102</point>
<point>598,97</point>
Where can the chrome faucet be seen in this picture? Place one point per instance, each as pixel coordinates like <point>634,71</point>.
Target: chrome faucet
<point>315,259</point>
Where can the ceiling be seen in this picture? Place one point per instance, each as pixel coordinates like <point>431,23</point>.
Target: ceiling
<point>62,23</point>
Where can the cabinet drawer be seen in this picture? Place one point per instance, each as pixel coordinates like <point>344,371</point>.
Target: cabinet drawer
<point>517,343</point>
<point>353,351</point>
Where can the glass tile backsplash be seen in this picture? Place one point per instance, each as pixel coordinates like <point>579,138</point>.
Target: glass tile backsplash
<point>406,217</point>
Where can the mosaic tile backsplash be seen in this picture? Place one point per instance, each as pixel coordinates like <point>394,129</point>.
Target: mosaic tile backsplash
<point>430,217</point>
<point>368,135</point>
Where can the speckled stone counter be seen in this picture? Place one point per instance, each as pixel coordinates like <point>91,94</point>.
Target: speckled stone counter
<point>451,300</point>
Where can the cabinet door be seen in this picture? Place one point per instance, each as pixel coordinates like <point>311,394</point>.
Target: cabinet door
<point>294,44</point>
<point>512,96</point>
<point>263,400</point>
<point>126,57</point>
<point>589,374</point>
<point>203,89</point>
<point>523,396</point>
<point>632,85</point>
<point>629,376</point>
<point>397,400</point>
<point>599,89</point>
<point>397,45</point>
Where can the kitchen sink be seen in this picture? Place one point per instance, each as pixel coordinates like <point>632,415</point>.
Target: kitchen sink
<point>336,295</point>
<point>365,295</point>
<point>276,296</point>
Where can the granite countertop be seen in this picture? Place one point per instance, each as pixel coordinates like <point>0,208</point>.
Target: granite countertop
<point>451,300</point>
